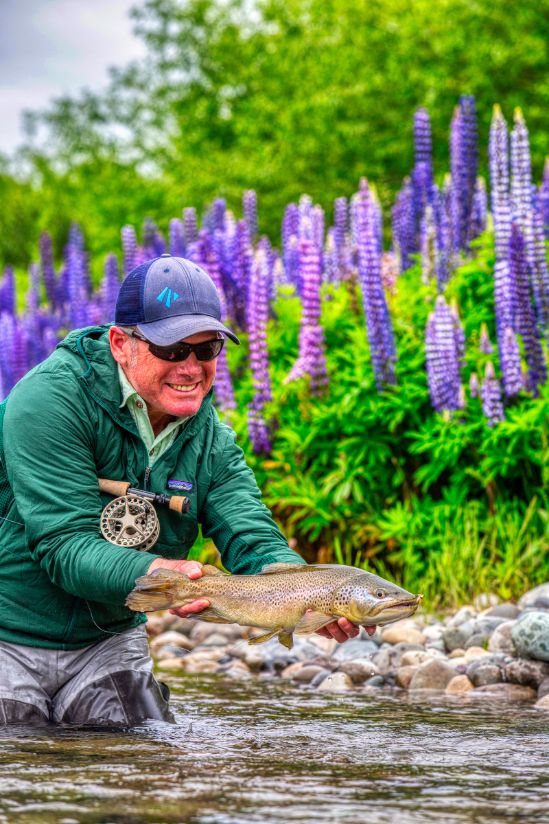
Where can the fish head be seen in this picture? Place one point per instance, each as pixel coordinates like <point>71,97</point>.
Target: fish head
<point>368,600</point>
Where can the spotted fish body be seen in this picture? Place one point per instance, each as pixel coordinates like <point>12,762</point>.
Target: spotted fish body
<point>282,599</point>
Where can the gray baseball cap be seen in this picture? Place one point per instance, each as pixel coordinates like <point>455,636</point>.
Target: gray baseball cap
<point>169,299</point>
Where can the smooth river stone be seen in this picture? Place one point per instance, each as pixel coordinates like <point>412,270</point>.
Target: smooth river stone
<point>543,703</point>
<point>540,593</point>
<point>415,657</point>
<point>172,638</point>
<point>456,637</point>
<point>355,648</point>
<point>171,664</point>
<point>169,651</point>
<point>473,653</point>
<point>484,671</point>
<point>501,640</point>
<point>433,675</point>
<point>404,676</point>
<point>530,635</point>
<point>459,685</point>
<point>336,682</point>
<point>526,671</point>
<point>306,674</point>
<point>202,631</point>
<point>402,633</point>
<point>504,692</point>
<point>507,611</point>
<point>543,688</point>
<point>359,670</point>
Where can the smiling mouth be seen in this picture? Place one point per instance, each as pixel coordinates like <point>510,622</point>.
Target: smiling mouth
<point>179,387</point>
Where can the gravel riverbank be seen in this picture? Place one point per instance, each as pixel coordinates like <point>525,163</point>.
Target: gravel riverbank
<point>487,651</point>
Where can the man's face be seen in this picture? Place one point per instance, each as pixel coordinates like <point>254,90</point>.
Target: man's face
<point>174,389</point>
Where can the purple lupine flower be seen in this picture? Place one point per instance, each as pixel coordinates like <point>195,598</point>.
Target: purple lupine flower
<point>442,357</point>
<point>7,346</point>
<point>237,289</point>
<point>490,392</point>
<point>521,185</point>
<point>257,310</point>
<point>423,150</point>
<point>459,334</point>
<point>78,315</point>
<point>48,271</point>
<point>403,226</point>
<point>511,368</point>
<point>422,197</point>
<point>479,211</point>
<point>485,344</point>
<point>378,320</point>
<point>223,386</point>
<point>428,245</point>
<point>33,295</point>
<point>153,242</point>
<point>129,249</point>
<point>7,291</point>
<point>109,289</point>
<point>249,209</point>
<point>76,241</point>
<point>464,165</point>
<point>443,238</point>
<point>311,359</point>
<point>525,319</point>
<point>290,229</point>
<point>215,216</point>
<point>20,358</point>
<point>474,385</point>
<point>499,177</point>
<point>540,273</point>
<point>177,238</point>
<point>544,199</point>
<point>190,226</point>
<point>341,227</point>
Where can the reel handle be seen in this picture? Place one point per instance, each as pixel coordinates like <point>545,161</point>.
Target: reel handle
<point>177,503</point>
<point>116,488</point>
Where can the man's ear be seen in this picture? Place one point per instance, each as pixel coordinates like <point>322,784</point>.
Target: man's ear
<point>119,343</point>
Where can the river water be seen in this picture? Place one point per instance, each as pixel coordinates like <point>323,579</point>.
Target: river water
<point>264,751</point>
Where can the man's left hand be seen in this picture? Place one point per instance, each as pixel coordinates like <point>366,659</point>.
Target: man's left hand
<point>342,630</point>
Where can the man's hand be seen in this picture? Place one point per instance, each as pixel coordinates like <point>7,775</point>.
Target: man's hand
<point>342,630</point>
<point>191,568</point>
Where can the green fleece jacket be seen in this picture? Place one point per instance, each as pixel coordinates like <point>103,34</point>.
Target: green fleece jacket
<point>61,584</point>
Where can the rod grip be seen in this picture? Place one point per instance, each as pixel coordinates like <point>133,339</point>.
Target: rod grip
<point>179,503</point>
<point>116,488</point>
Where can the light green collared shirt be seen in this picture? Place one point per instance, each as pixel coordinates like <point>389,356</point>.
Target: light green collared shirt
<point>156,444</point>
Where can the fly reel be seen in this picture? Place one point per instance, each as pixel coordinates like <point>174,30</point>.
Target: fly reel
<point>130,521</point>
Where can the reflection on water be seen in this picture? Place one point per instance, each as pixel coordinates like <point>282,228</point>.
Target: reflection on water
<point>266,752</point>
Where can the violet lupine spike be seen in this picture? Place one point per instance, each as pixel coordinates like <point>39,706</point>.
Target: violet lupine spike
<point>490,393</point>
<point>317,225</point>
<point>257,315</point>
<point>78,315</point>
<point>464,165</point>
<point>459,334</point>
<point>403,226</point>
<point>48,270</point>
<point>241,272</point>
<point>290,229</point>
<point>474,385</point>
<point>443,240</point>
<point>511,367</point>
<point>422,196</point>
<point>177,238</point>
<point>485,344</point>
<point>540,274</point>
<point>521,185</point>
<point>7,291</point>
<point>249,210</point>
<point>498,153</point>
<point>7,346</point>
<point>479,211</point>
<point>455,174</point>
<point>217,214</point>
<point>223,386</point>
<point>505,297</point>
<point>525,318</point>
<point>378,321</point>
<point>129,249</point>
<point>544,199</point>
<point>190,225</point>
<point>33,295</point>
<point>423,148</point>
<point>443,372</point>
<point>20,358</point>
<point>340,229</point>
<point>110,288</point>
<point>428,245</point>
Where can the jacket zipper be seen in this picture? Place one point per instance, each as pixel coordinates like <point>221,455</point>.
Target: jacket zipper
<point>146,477</point>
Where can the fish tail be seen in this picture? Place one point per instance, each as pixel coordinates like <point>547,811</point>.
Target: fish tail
<point>159,590</point>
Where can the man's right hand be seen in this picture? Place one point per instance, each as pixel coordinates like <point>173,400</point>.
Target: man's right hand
<point>193,569</point>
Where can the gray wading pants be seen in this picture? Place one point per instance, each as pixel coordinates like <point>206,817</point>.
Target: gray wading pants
<point>109,683</point>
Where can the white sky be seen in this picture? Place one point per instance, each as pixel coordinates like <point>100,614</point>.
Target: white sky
<point>51,47</point>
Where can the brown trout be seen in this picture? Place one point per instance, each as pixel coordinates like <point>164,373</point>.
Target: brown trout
<point>281,599</point>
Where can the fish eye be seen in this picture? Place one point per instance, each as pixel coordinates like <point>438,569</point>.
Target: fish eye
<point>380,594</point>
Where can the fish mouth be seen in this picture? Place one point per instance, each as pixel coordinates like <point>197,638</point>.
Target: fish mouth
<point>404,603</point>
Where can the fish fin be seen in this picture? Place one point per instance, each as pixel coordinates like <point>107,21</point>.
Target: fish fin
<point>210,614</point>
<point>311,621</point>
<point>155,591</point>
<point>286,638</point>
<point>260,639</point>
<point>269,569</point>
<point>209,569</point>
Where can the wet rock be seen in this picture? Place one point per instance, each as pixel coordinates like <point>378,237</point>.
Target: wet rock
<point>404,676</point>
<point>415,657</point>
<point>457,636</point>
<point>170,651</point>
<point>292,669</point>
<point>543,688</point>
<point>388,657</point>
<point>457,653</point>
<point>172,638</point>
<point>202,630</point>
<point>433,632</point>
<point>530,635</point>
<point>484,671</point>
<point>375,682</point>
<point>530,598</point>
<point>402,632</point>
<point>506,611</point>
<point>324,645</point>
<point>462,615</point>
<point>319,677</point>
<point>439,646</point>
<point>433,675</point>
<point>526,671</point>
<point>198,666</point>
<point>355,648</point>
<point>501,640</point>
<point>477,639</point>
<point>306,674</point>
<point>171,664</point>
<point>158,623</point>
<point>359,670</point>
<point>216,639</point>
<point>459,685</point>
<point>235,669</point>
<point>542,703</point>
<point>472,653</point>
<point>514,693</point>
<point>336,682</point>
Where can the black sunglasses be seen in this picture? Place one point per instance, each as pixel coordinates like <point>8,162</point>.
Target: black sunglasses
<point>180,351</point>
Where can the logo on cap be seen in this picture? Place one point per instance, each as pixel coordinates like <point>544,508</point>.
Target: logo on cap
<point>167,297</point>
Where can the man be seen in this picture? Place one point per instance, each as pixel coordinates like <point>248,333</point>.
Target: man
<point>131,402</point>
